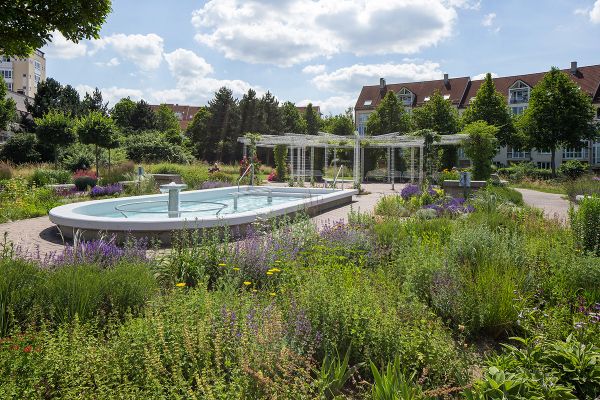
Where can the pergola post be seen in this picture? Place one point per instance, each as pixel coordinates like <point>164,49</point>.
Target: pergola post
<point>412,165</point>
<point>392,151</point>
<point>357,162</point>
<point>312,163</point>
<point>362,163</point>
<point>420,165</point>
<point>292,163</point>
<point>325,163</point>
<point>245,151</point>
<point>389,160</point>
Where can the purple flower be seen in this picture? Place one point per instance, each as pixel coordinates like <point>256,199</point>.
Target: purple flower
<point>450,206</point>
<point>108,190</point>
<point>409,191</point>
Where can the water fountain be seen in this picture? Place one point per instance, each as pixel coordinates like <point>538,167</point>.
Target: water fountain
<point>174,204</point>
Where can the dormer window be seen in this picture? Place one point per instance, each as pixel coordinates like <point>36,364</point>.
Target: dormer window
<point>405,96</point>
<point>446,96</point>
<point>368,102</point>
<point>518,93</point>
<point>427,98</point>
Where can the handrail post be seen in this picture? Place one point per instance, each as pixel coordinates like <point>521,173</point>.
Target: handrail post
<point>243,175</point>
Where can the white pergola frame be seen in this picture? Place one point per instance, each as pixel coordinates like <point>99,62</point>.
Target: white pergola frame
<point>298,143</point>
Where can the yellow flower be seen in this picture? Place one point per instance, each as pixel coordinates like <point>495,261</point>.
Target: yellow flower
<point>180,284</point>
<point>236,269</point>
<point>254,290</point>
<point>247,283</point>
<point>222,264</point>
<point>277,261</point>
<point>269,272</point>
<point>275,270</point>
<point>272,293</point>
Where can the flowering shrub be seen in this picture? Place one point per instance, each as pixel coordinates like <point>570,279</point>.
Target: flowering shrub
<point>84,179</point>
<point>409,191</point>
<point>245,163</point>
<point>450,206</point>
<point>272,176</point>
<point>105,253</point>
<point>108,190</point>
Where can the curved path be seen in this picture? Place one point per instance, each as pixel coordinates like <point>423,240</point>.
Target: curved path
<point>554,205</point>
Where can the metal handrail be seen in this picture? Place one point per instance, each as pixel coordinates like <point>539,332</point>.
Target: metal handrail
<point>337,176</point>
<point>243,175</point>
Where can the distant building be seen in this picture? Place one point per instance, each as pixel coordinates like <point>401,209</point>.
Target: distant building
<point>185,114</point>
<point>22,75</point>
<point>302,110</point>
<point>461,91</point>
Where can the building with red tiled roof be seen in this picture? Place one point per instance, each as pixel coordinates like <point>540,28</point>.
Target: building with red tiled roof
<point>185,114</point>
<point>461,91</point>
<point>302,109</point>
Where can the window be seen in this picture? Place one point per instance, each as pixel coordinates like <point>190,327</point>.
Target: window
<point>37,65</point>
<point>461,154</point>
<point>37,78</point>
<point>368,102</point>
<point>518,110</point>
<point>427,98</point>
<point>569,154</point>
<point>544,151</point>
<point>9,86</point>
<point>544,165</point>
<point>598,113</point>
<point>6,73</point>
<point>405,96</point>
<point>446,96</point>
<point>4,59</point>
<point>516,153</point>
<point>179,115</point>
<point>362,124</point>
<point>518,93</point>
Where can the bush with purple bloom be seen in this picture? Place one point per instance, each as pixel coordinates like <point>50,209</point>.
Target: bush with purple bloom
<point>108,190</point>
<point>105,253</point>
<point>409,191</point>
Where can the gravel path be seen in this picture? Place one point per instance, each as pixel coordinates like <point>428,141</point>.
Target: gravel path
<point>554,205</point>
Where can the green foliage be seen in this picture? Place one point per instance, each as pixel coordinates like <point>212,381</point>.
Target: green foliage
<point>197,132</point>
<point>27,27</point>
<point>334,374</point>
<point>480,147</point>
<point>221,123</point>
<point>99,131</point>
<point>391,206</point>
<point>18,200</point>
<point>5,171</point>
<point>313,120</point>
<point>20,148</point>
<point>388,117</point>
<point>542,369</point>
<point>55,129</point>
<point>572,169</point>
<point>166,119</point>
<point>51,95</point>
<point>524,170</point>
<point>291,118</point>
<point>391,383</point>
<point>151,146</point>
<point>122,111</point>
<point>586,185</point>
<point>77,157</point>
<point>490,106</point>
<point>43,177</point>
<point>339,125</point>
<point>585,223</point>
<point>8,111</point>
<point>83,183</point>
<point>280,153</point>
<point>94,102</point>
<point>559,114</point>
<point>437,114</point>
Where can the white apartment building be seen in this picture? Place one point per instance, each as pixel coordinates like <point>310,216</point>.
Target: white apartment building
<point>461,91</point>
<point>22,75</point>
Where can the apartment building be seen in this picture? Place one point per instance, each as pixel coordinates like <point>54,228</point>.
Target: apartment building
<point>22,75</point>
<point>461,91</point>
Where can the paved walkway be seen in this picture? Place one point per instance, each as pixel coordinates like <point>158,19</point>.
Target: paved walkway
<point>554,205</point>
<point>39,234</point>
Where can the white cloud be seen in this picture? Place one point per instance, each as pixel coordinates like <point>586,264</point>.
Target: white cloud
<point>466,4</point>
<point>62,48</point>
<point>185,63</point>
<point>112,94</point>
<point>146,51</point>
<point>287,32</point>
<point>332,105</point>
<point>482,76</point>
<point>595,13</point>
<point>314,69</point>
<point>113,62</point>
<point>488,19</point>
<point>351,79</point>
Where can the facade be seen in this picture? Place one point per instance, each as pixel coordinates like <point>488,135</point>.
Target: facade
<point>22,75</point>
<point>461,91</point>
<point>185,114</point>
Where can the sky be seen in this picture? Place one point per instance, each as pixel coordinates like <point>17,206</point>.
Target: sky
<point>319,51</point>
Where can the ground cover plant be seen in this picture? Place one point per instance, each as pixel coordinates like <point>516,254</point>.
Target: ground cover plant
<point>386,306</point>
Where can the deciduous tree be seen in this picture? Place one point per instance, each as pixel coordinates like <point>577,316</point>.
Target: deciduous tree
<point>97,130</point>
<point>312,119</point>
<point>166,119</point>
<point>292,119</point>
<point>388,117</point>
<point>8,111</point>
<point>56,130</point>
<point>481,146</point>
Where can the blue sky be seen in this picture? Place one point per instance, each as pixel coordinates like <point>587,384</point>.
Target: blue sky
<point>322,51</point>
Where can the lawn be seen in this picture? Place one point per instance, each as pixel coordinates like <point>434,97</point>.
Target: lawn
<point>423,299</point>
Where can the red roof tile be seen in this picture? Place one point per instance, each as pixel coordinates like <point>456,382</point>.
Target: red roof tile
<point>184,113</point>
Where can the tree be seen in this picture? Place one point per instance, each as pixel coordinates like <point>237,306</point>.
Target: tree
<point>94,102</point>
<point>339,125</point>
<point>292,121</point>
<point>8,111</point>
<point>97,130</point>
<point>142,118</point>
<point>166,119</point>
<point>223,127</point>
<point>56,130</point>
<point>559,114</point>
<point>28,25</point>
<point>312,120</point>
<point>197,132</point>
<point>122,111</point>
<point>249,113</point>
<point>430,150</point>
<point>20,148</point>
<point>388,117</point>
<point>439,115</point>
<point>69,101</point>
<point>270,121</point>
<point>46,98</point>
<point>490,106</point>
<point>481,146</point>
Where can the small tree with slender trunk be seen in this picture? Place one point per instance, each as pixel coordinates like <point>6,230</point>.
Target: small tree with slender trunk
<point>481,147</point>
<point>98,130</point>
<point>560,114</point>
<point>56,129</point>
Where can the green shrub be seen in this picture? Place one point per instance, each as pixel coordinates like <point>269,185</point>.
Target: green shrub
<point>77,157</point>
<point>18,200</point>
<point>20,148</point>
<point>572,169</point>
<point>19,284</point>
<point>585,223</point>
<point>43,177</point>
<point>280,153</point>
<point>525,170</point>
<point>153,147</point>
<point>585,186</point>
<point>119,172</point>
<point>391,206</point>
<point>83,183</point>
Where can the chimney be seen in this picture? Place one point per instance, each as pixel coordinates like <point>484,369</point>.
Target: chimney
<point>382,87</point>
<point>446,80</point>
<point>574,67</point>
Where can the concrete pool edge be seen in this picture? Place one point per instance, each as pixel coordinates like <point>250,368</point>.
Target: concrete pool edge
<point>88,227</point>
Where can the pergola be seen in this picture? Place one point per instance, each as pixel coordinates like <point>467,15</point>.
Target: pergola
<point>298,144</point>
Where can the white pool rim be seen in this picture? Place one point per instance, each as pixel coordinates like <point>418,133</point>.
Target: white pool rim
<point>67,215</point>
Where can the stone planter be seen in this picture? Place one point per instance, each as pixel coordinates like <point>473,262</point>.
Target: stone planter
<point>451,188</point>
<point>165,179</point>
